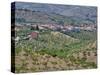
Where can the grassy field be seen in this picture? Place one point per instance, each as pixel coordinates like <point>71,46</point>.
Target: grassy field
<point>54,50</point>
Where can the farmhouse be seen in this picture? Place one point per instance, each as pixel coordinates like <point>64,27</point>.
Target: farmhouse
<point>30,36</point>
<point>33,35</point>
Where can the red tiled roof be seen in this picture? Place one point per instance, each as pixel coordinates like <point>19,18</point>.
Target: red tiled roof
<point>34,34</point>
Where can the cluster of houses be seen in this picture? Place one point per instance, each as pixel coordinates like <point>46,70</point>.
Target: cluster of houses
<point>55,27</point>
<point>64,28</point>
<point>58,27</point>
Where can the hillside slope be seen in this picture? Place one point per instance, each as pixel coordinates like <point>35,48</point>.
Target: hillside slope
<point>28,16</point>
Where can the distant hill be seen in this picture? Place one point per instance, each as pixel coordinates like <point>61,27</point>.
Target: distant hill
<point>53,13</point>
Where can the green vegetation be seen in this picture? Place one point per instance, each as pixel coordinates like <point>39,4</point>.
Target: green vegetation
<point>52,37</point>
<point>56,45</point>
<point>55,50</point>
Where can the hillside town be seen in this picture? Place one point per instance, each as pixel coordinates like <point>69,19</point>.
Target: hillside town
<point>57,27</point>
<point>53,27</point>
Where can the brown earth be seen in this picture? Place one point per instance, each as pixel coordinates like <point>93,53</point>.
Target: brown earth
<point>33,62</point>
